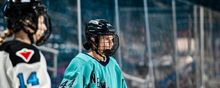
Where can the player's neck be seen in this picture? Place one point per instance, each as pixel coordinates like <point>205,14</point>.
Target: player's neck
<point>22,37</point>
<point>97,56</point>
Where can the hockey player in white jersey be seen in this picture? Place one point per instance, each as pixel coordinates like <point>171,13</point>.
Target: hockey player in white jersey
<point>22,65</point>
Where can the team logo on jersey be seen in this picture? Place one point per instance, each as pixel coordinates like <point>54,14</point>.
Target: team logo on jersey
<point>25,54</point>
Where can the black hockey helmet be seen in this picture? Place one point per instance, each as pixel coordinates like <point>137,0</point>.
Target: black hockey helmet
<point>17,12</point>
<point>96,28</point>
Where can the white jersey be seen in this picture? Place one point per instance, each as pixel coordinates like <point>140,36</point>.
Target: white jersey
<point>22,66</point>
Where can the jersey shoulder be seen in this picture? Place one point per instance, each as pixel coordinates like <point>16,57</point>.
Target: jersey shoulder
<point>79,64</point>
<point>20,52</point>
<point>114,64</point>
<point>112,60</point>
<point>84,58</point>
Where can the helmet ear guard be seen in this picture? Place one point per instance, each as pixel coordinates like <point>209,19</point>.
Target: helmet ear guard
<point>87,45</point>
<point>91,43</point>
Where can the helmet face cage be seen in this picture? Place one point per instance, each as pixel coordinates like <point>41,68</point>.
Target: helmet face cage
<point>95,30</point>
<point>17,12</point>
<point>109,45</point>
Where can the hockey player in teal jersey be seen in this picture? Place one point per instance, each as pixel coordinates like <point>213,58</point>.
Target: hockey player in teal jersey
<point>96,68</point>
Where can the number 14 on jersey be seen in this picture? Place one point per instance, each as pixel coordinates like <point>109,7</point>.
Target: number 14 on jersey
<point>32,79</point>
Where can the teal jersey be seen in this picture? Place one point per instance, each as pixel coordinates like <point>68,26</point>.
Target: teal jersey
<point>84,71</point>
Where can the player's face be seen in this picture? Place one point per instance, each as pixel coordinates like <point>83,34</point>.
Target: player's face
<point>41,28</point>
<point>105,42</point>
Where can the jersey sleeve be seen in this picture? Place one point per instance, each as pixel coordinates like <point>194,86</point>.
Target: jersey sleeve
<point>44,76</point>
<point>4,82</point>
<point>77,74</point>
<point>119,73</point>
<point>124,85</point>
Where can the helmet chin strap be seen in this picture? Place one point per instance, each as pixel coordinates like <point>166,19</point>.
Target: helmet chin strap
<point>95,48</point>
<point>30,35</point>
<point>102,55</point>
